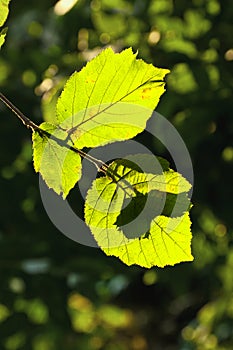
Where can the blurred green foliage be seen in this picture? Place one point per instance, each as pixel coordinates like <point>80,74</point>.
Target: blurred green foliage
<point>56,294</point>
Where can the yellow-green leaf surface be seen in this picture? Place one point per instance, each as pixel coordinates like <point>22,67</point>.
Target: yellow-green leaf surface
<point>3,36</point>
<point>4,10</point>
<point>168,242</point>
<point>162,240</point>
<point>169,181</point>
<point>59,166</point>
<point>110,99</point>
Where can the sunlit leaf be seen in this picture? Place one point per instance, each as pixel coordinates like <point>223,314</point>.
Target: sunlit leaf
<point>4,10</point>
<point>169,181</point>
<point>110,99</point>
<point>131,224</point>
<point>59,166</point>
<point>3,36</point>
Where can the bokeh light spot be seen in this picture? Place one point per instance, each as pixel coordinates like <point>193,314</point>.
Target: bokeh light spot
<point>220,230</point>
<point>64,6</point>
<point>154,37</point>
<point>227,154</point>
<point>105,38</point>
<point>213,7</point>
<point>187,333</point>
<point>29,77</point>
<point>4,312</point>
<point>83,36</point>
<point>229,55</point>
<point>149,277</point>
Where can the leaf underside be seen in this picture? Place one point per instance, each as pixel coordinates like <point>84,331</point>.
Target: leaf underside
<point>151,238</point>
<point>136,212</point>
<point>58,165</point>
<point>109,100</point>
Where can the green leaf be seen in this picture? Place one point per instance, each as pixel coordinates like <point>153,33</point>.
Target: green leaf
<point>4,10</point>
<point>128,219</point>
<point>59,166</point>
<point>169,181</point>
<point>110,99</point>
<point>2,36</point>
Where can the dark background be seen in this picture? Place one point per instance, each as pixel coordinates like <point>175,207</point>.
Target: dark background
<point>58,295</point>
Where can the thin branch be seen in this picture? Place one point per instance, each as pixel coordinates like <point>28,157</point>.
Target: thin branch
<point>26,121</point>
<point>101,166</point>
